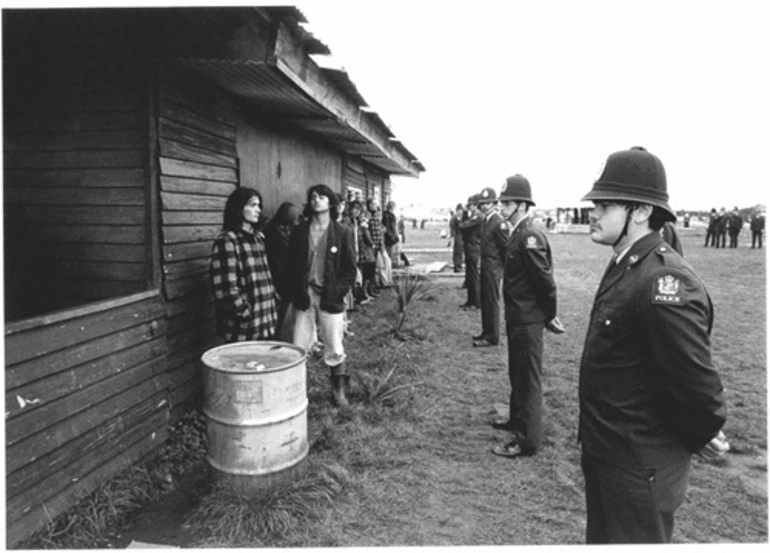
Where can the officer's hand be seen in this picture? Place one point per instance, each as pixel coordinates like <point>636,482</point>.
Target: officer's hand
<point>555,326</point>
<point>716,448</point>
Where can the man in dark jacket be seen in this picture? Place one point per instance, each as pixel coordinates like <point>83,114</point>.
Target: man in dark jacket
<point>322,266</point>
<point>492,255</point>
<point>757,228</point>
<point>722,222</point>
<point>649,394</point>
<point>734,226</point>
<point>456,238</point>
<point>711,229</point>
<point>471,231</point>
<point>529,291</point>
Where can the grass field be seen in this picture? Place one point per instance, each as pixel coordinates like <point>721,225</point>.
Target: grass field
<point>411,459</point>
<point>420,467</point>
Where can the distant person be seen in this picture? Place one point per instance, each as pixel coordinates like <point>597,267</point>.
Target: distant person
<point>367,260</point>
<point>390,235</point>
<point>375,229</point>
<point>686,220</point>
<point>240,274</point>
<point>722,223</point>
<point>277,234</point>
<point>323,268</point>
<point>456,236</point>
<point>734,226</point>
<point>757,226</point>
<point>402,228</point>
<point>711,229</point>
<point>671,237</point>
<point>492,256</point>
<point>649,395</point>
<point>529,293</point>
<point>470,228</point>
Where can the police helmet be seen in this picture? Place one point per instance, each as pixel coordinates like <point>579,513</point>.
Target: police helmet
<point>516,188</point>
<point>488,195</point>
<point>633,175</point>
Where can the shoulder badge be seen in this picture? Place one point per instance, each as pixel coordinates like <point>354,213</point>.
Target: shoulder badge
<point>667,290</point>
<point>532,243</point>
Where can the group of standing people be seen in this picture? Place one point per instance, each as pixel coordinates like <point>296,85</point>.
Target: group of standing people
<point>292,278</point>
<point>722,225</point>
<point>649,395</point>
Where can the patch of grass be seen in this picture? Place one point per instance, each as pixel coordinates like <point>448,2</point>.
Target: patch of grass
<point>88,523</point>
<point>227,517</point>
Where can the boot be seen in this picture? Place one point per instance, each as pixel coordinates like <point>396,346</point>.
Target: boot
<point>338,386</point>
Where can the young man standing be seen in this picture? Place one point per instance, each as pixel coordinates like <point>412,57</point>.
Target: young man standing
<point>323,268</point>
<point>470,229</point>
<point>529,293</point>
<point>649,394</point>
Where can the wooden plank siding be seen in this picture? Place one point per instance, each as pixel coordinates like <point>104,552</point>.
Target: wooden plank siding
<point>85,395</point>
<point>75,164</point>
<point>198,170</point>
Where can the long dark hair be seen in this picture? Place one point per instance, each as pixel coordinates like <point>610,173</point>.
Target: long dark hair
<point>282,216</point>
<point>322,190</point>
<point>233,219</point>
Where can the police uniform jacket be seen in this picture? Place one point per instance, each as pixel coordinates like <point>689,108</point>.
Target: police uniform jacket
<point>493,243</point>
<point>649,395</point>
<point>757,223</point>
<point>529,290</point>
<point>471,231</point>
<point>339,269</point>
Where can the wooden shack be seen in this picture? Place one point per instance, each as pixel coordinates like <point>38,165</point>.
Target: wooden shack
<point>124,132</point>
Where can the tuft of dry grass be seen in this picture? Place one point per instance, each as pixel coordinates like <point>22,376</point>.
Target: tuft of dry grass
<point>227,517</point>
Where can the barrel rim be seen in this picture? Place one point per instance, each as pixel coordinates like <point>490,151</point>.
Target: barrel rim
<point>302,359</point>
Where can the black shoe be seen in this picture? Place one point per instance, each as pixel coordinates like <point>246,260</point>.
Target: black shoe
<point>464,305</point>
<point>502,424</point>
<point>479,337</point>
<point>483,344</point>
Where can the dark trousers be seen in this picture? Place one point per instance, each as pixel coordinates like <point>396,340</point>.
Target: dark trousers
<point>721,239</point>
<point>457,255</point>
<point>734,239</point>
<point>525,370</point>
<point>756,238</point>
<point>491,280</point>
<point>629,505</point>
<point>472,280</point>
<point>710,237</point>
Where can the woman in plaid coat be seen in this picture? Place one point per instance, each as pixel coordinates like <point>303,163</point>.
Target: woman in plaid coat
<point>240,275</point>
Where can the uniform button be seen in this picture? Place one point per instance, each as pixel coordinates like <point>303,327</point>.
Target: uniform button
<point>607,322</point>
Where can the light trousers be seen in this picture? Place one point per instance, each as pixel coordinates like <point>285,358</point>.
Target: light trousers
<point>314,324</point>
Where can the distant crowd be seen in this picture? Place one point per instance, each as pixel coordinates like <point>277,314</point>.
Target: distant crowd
<point>722,225</point>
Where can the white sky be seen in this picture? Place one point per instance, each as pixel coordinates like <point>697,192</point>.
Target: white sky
<point>482,90</point>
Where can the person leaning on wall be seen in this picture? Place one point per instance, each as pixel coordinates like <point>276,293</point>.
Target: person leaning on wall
<point>244,295</point>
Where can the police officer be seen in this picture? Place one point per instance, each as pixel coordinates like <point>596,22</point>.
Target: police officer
<point>471,231</point>
<point>492,255</point>
<point>649,394</point>
<point>734,226</point>
<point>529,291</point>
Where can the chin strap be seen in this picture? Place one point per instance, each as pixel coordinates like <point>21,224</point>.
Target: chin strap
<point>629,211</point>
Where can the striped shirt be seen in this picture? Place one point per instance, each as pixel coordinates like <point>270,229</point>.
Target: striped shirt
<point>375,229</point>
<point>242,287</point>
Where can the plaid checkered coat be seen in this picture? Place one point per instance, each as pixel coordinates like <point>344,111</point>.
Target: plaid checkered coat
<point>243,288</point>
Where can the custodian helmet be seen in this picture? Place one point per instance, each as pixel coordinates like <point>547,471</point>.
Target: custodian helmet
<point>633,175</point>
<point>516,188</point>
<point>488,195</point>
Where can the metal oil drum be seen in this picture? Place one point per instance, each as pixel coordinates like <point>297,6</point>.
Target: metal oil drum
<point>255,402</point>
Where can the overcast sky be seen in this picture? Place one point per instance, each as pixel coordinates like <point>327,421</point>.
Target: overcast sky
<point>485,89</point>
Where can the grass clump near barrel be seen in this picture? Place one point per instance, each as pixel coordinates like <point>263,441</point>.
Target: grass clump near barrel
<point>230,518</point>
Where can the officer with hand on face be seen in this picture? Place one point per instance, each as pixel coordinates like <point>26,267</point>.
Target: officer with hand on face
<point>650,397</point>
<point>492,254</point>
